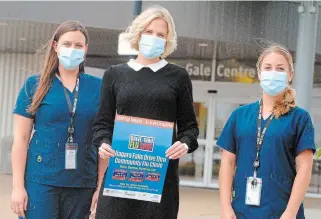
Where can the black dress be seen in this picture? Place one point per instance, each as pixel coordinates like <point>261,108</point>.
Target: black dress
<point>162,95</point>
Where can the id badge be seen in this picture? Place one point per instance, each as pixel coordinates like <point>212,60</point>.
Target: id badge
<point>253,191</point>
<point>71,156</point>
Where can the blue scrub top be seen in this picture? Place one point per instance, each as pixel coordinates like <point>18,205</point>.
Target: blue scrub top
<point>46,153</point>
<point>284,139</point>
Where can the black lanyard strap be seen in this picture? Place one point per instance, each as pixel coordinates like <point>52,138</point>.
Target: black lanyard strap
<point>72,109</point>
<point>260,136</point>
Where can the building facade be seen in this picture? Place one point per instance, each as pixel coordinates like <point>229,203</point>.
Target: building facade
<point>218,44</point>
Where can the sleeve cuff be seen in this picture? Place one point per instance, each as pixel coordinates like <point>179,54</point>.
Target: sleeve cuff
<point>29,116</point>
<point>226,149</point>
<point>313,149</point>
<point>106,141</point>
<point>187,141</point>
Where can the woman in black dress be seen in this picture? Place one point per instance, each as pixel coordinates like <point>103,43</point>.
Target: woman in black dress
<point>147,87</point>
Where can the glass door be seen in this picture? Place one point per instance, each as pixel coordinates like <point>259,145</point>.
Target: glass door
<point>193,167</point>
<point>222,112</point>
<point>201,168</point>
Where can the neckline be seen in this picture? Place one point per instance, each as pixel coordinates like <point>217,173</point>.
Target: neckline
<point>67,89</point>
<point>267,118</point>
<point>258,111</point>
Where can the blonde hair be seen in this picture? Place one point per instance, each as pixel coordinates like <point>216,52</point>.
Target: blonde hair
<point>276,49</point>
<point>283,106</point>
<point>134,31</point>
<point>51,62</point>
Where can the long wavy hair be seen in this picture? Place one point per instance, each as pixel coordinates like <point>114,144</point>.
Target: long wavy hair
<point>51,62</point>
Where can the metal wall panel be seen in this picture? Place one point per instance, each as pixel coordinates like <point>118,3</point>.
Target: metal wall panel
<point>235,21</point>
<point>19,36</point>
<point>16,66</point>
<point>228,21</point>
<point>215,20</point>
<point>14,69</point>
<point>109,14</point>
<point>279,23</point>
<point>201,19</point>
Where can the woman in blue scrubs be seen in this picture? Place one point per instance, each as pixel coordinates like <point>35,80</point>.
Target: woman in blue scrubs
<point>267,148</point>
<point>55,173</point>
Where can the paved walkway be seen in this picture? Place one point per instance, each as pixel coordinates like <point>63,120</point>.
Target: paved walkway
<point>195,203</point>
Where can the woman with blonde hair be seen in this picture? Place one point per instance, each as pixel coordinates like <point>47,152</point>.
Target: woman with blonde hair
<point>147,87</point>
<point>55,173</point>
<point>267,147</point>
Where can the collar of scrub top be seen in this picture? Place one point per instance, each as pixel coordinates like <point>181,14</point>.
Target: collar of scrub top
<point>57,74</point>
<point>155,67</point>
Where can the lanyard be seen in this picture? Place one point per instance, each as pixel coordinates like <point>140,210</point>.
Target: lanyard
<point>260,137</point>
<point>72,110</point>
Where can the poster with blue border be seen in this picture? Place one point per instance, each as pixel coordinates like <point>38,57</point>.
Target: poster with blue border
<point>138,169</point>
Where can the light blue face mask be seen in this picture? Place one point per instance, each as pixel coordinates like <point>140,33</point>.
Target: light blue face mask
<point>151,47</point>
<point>273,82</point>
<point>71,58</point>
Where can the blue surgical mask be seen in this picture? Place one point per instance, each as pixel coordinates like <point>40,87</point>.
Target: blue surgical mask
<point>151,47</point>
<point>273,82</point>
<point>71,58</point>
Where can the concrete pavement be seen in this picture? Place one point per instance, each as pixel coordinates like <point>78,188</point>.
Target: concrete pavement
<point>195,203</point>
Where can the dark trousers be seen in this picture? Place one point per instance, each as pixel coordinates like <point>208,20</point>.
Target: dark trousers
<point>53,202</point>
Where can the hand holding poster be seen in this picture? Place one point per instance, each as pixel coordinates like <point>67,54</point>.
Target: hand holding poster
<point>139,167</point>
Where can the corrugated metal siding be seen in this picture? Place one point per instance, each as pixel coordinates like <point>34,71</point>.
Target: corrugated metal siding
<point>24,36</point>
<point>227,21</point>
<point>108,14</point>
<point>224,21</point>
<point>280,22</point>
<point>14,69</point>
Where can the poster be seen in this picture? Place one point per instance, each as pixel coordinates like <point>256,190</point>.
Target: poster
<point>138,169</point>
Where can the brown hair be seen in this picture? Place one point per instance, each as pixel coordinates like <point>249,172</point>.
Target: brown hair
<point>288,102</point>
<point>51,62</point>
